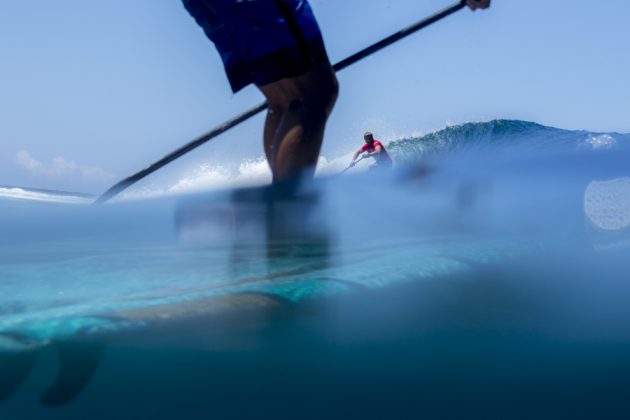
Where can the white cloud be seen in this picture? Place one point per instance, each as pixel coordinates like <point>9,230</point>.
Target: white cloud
<point>24,159</point>
<point>60,167</point>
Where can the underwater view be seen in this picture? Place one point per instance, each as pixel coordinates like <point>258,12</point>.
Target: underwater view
<point>486,276</point>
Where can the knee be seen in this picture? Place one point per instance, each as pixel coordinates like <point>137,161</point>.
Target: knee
<point>326,93</point>
<point>314,93</point>
<point>320,97</point>
<point>275,109</point>
<point>332,94</point>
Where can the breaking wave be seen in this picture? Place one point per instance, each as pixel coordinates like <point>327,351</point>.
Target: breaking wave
<point>509,136</point>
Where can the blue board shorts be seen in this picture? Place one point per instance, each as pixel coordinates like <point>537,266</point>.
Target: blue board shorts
<point>261,41</point>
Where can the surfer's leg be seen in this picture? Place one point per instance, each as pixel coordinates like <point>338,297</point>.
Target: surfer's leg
<point>277,45</point>
<point>294,129</point>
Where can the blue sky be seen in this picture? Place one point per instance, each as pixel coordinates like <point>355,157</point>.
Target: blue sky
<point>92,91</point>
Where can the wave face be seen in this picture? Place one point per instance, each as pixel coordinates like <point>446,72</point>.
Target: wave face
<point>497,136</point>
<point>503,136</point>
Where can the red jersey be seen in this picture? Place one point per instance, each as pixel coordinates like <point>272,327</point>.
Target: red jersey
<point>382,157</point>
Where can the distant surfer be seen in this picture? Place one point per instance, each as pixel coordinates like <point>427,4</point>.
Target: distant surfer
<point>277,45</point>
<point>373,149</point>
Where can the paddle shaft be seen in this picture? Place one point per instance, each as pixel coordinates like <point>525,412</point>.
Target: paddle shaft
<point>132,179</point>
<point>354,162</point>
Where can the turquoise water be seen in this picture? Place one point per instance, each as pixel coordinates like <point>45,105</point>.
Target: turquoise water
<point>488,278</point>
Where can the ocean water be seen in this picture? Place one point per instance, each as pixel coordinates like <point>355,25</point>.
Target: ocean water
<point>486,276</point>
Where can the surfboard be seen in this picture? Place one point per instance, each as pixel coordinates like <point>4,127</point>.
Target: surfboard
<point>239,261</point>
<point>218,271</point>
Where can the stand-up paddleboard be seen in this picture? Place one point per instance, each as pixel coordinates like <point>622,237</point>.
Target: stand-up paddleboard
<point>216,315</point>
<point>429,256</point>
<point>233,262</point>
